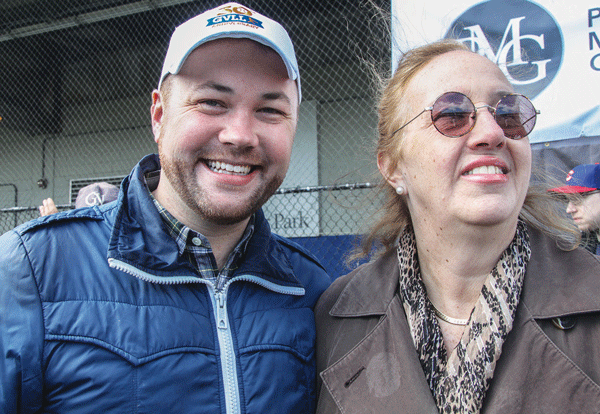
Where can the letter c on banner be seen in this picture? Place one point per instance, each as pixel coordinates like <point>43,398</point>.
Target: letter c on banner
<point>594,63</point>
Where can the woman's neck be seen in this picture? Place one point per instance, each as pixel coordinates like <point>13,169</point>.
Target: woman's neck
<point>455,261</point>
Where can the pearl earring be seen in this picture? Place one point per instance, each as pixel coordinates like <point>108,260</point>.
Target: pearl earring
<point>400,190</point>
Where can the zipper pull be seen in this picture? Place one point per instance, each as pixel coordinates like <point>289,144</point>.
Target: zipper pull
<point>221,311</point>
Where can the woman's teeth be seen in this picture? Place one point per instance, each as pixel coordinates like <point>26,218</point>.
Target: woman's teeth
<point>487,169</point>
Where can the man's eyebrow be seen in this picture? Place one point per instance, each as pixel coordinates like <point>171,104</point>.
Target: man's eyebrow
<point>268,96</point>
<point>273,96</point>
<point>215,86</point>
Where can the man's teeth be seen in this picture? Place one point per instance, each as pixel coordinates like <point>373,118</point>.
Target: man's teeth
<point>223,168</point>
<point>487,169</point>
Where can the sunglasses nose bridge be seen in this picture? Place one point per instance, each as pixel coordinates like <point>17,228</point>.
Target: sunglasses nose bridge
<point>490,108</point>
<point>494,121</point>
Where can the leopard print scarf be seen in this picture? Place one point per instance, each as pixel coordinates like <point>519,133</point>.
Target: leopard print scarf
<point>460,380</point>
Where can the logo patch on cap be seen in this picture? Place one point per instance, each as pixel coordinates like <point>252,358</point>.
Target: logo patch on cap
<point>235,15</point>
<point>235,18</point>
<point>570,175</point>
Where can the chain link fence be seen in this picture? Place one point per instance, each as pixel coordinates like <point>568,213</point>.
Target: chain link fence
<point>75,84</point>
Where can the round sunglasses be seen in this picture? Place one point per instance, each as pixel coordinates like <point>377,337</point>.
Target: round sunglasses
<point>453,114</point>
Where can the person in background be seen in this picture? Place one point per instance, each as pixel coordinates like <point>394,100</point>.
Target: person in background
<point>471,306</point>
<point>177,298</point>
<point>582,189</point>
<point>48,207</point>
<point>94,194</point>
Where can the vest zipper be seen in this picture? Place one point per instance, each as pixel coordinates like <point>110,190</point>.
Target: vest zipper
<point>227,351</point>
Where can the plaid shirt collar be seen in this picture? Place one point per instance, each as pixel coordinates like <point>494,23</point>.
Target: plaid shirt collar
<point>196,248</point>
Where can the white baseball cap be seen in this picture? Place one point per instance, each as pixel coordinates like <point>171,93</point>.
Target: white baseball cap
<point>230,20</point>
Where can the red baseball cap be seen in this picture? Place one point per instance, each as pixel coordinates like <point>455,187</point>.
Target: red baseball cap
<point>581,179</point>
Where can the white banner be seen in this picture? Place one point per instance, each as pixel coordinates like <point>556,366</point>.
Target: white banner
<point>550,50</point>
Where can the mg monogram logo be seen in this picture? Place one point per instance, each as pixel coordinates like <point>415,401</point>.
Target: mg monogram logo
<point>479,42</point>
<point>508,33</point>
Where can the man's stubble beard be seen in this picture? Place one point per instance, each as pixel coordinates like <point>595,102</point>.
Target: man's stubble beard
<point>186,186</point>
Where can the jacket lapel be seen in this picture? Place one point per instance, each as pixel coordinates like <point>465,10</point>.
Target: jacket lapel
<point>533,374</point>
<point>383,372</point>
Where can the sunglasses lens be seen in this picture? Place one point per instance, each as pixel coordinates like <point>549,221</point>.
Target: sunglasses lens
<point>516,116</point>
<point>453,114</point>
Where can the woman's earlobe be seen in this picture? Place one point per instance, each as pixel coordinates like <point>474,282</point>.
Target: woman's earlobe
<point>390,173</point>
<point>383,164</point>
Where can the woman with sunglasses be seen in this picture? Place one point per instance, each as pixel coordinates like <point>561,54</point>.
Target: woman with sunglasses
<point>471,307</point>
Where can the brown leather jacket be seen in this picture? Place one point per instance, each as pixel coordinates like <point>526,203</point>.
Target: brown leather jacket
<point>368,363</point>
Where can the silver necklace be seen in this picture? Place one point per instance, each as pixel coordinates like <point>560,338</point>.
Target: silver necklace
<point>449,319</point>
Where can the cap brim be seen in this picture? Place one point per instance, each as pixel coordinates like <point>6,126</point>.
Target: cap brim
<point>570,189</point>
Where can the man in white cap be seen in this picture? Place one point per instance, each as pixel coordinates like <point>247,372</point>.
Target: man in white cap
<point>177,298</point>
<point>582,189</point>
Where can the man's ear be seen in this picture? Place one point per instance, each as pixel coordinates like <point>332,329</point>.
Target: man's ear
<point>156,114</point>
<point>390,170</point>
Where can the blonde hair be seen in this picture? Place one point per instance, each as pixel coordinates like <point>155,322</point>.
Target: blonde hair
<point>540,209</point>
